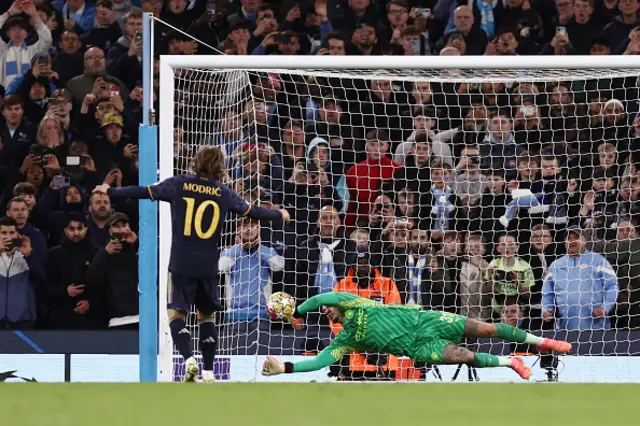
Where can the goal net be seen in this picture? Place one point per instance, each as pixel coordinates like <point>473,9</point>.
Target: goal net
<point>474,191</point>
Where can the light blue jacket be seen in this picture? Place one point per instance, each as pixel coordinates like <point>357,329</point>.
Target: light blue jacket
<point>248,279</point>
<point>577,286</point>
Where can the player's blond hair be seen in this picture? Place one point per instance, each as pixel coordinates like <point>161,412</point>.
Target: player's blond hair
<point>209,163</point>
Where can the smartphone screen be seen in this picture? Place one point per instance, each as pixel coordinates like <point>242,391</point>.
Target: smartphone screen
<point>73,160</point>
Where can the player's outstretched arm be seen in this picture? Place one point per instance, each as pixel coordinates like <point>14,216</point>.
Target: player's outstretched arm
<point>345,300</point>
<point>328,356</point>
<point>135,192</point>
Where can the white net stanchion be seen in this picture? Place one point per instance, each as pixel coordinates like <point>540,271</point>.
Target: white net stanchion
<point>505,195</point>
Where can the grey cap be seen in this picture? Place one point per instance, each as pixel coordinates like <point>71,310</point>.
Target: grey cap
<point>576,230</point>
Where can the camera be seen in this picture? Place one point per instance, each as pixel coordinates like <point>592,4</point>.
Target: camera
<point>43,59</point>
<point>16,242</point>
<point>76,160</point>
<point>61,181</point>
<point>506,277</point>
<point>40,155</point>
<point>117,237</point>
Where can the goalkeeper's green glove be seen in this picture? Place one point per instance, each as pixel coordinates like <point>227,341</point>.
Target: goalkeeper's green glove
<point>272,367</point>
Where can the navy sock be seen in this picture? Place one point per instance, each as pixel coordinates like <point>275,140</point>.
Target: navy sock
<point>208,343</point>
<point>181,337</point>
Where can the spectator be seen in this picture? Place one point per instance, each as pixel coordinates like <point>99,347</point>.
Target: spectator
<point>18,210</point>
<point>248,12</point>
<point>620,27</point>
<point>583,26</point>
<point>317,264</point>
<point>124,60</point>
<point>71,303</point>
<point>499,149</point>
<point>107,30</point>
<point>99,214</point>
<point>509,278</point>
<point>17,135</point>
<point>15,58</point>
<point>19,284</point>
<point>475,37</point>
<point>581,286</point>
<point>364,179</point>
<point>79,15</point>
<point>114,271</point>
<point>95,80</point>
<point>68,62</point>
<point>473,300</point>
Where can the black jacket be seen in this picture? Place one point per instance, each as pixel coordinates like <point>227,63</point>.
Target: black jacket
<point>117,274</point>
<point>68,264</point>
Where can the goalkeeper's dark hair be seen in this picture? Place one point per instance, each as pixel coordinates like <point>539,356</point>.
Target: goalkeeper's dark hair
<point>209,163</point>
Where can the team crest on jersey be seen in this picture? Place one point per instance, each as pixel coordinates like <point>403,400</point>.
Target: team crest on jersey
<point>583,266</point>
<point>349,314</point>
<point>435,356</point>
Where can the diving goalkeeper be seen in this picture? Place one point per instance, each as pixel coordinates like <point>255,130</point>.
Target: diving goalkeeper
<point>424,336</point>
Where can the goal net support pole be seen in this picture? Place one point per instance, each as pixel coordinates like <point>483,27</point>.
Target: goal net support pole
<point>408,68</point>
<point>148,232</point>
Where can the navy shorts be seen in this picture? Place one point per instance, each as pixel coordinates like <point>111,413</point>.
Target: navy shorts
<point>184,291</point>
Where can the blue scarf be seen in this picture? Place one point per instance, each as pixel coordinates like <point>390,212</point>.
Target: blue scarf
<point>326,277</point>
<point>487,23</point>
<point>442,208</point>
<point>415,277</point>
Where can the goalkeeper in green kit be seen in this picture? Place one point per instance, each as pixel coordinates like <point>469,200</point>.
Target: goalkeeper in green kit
<point>423,336</point>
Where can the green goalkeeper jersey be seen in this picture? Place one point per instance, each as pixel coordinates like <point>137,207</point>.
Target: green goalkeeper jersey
<point>369,326</point>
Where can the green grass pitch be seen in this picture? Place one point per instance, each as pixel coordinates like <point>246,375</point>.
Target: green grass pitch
<point>311,404</point>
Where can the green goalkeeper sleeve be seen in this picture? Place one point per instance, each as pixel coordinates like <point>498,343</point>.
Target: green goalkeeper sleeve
<point>328,356</point>
<point>341,300</point>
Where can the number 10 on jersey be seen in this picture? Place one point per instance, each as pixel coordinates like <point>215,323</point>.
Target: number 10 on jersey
<point>193,218</point>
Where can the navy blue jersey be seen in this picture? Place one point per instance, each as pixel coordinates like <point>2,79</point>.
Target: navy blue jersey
<point>198,211</point>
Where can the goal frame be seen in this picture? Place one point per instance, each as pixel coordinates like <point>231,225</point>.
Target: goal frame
<point>168,64</point>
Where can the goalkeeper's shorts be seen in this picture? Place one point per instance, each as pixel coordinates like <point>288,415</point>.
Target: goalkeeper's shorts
<point>435,331</point>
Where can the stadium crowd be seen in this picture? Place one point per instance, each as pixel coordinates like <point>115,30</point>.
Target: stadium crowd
<point>514,202</point>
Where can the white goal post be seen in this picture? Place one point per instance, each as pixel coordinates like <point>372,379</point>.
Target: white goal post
<point>453,69</point>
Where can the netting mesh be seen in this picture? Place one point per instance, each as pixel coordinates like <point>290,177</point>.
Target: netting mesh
<point>459,186</point>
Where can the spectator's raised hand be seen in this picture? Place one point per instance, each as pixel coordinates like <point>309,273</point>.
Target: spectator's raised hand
<point>135,47</point>
<point>130,237</point>
<point>6,244</point>
<point>270,40</point>
<point>29,8</point>
<point>293,14</point>
<point>113,247</point>
<point>81,307</point>
<point>16,7</point>
<point>204,19</point>
<point>117,103</point>
<point>52,162</point>
<point>265,26</point>
<point>130,151</point>
<point>25,248</point>
<point>136,94</point>
<point>28,161</point>
<point>74,290</point>
<point>114,178</point>
<point>599,312</point>
<point>98,86</point>
<point>89,165</point>
<point>321,9</point>
<point>101,189</point>
<point>323,51</point>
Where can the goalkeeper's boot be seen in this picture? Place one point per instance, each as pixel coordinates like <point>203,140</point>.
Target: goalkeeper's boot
<point>191,370</point>
<point>518,365</point>
<point>208,376</point>
<point>554,345</point>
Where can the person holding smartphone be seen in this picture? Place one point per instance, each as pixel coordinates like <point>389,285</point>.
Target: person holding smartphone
<point>18,283</point>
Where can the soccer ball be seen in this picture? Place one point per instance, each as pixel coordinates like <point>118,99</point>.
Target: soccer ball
<point>281,305</point>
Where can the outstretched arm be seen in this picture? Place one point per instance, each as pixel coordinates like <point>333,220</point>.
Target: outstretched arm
<point>341,300</point>
<point>328,356</point>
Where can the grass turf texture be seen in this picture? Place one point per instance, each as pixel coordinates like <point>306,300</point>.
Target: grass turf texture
<point>312,404</point>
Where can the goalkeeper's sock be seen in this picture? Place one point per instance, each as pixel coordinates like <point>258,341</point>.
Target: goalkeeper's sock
<point>208,343</point>
<point>482,360</point>
<point>513,334</point>
<point>181,337</point>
